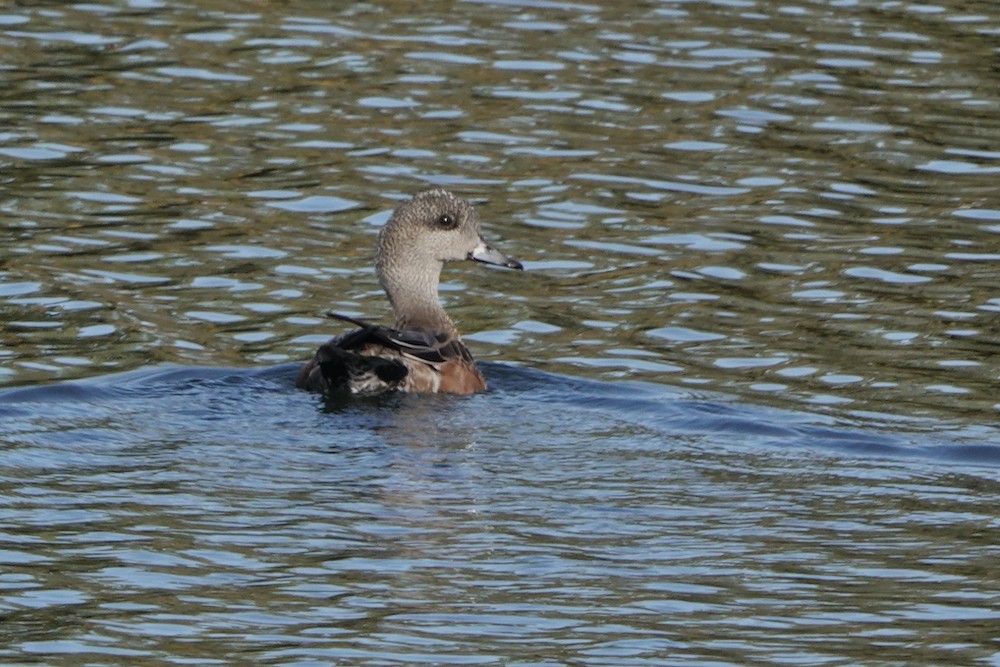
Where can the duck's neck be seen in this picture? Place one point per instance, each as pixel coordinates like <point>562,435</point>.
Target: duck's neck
<point>415,301</point>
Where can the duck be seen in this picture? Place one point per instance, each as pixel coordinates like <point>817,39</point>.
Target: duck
<point>422,352</point>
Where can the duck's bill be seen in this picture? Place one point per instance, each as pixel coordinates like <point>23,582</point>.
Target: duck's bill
<point>487,254</point>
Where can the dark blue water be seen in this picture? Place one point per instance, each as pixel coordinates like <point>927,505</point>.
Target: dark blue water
<point>216,514</point>
<point>260,408</point>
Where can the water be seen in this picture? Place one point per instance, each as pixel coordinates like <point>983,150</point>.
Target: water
<point>743,399</point>
<point>219,515</point>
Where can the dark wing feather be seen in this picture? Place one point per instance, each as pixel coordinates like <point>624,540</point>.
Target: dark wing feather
<point>334,369</point>
<point>427,346</point>
<point>374,359</point>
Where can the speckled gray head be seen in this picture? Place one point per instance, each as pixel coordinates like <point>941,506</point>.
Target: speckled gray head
<point>432,228</point>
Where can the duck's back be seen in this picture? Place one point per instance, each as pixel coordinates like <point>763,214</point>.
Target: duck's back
<point>375,359</point>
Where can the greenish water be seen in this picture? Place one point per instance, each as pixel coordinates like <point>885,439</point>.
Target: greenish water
<point>744,394</point>
<point>794,203</point>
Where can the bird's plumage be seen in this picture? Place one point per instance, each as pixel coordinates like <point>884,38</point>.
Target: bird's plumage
<point>423,352</point>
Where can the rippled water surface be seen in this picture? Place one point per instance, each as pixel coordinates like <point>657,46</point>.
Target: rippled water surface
<point>743,397</point>
<point>218,515</point>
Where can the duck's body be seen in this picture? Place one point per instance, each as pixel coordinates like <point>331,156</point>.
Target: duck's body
<point>423,352</point>
<point>374,359</point>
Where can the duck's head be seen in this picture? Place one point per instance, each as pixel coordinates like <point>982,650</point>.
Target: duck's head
<point>423,233</point>
<point>432,228</point>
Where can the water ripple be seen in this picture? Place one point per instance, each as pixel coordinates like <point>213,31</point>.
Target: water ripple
<point>198,186</point>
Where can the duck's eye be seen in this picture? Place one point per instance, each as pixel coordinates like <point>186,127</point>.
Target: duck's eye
<point>447,222</point>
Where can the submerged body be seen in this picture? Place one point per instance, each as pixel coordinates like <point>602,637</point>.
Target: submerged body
<point>423,351</point>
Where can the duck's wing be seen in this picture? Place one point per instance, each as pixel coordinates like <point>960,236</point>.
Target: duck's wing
<point>375,358</point>
<point>429,347</point>
<point>334,369</point>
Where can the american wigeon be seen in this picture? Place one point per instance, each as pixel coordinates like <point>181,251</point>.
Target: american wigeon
<point>422,352</point>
